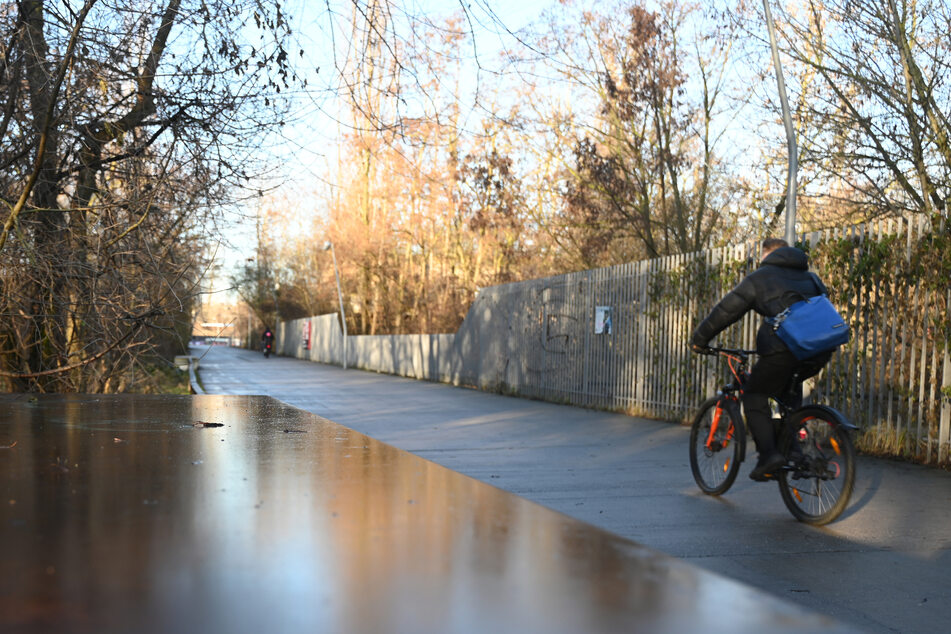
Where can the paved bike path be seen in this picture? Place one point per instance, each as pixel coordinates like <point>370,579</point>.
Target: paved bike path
<point>885,566</point>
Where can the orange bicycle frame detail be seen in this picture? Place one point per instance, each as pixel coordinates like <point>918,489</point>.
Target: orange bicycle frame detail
<point>717,413</point>
<point>719,409</point>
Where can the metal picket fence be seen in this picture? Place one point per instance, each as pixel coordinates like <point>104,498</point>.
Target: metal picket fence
<point>616,337</point>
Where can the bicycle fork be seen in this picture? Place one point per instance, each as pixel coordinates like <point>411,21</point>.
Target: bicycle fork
<point>714,445</point>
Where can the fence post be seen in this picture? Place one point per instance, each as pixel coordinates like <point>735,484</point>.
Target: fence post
<point>587,323</point>
<point>944,429</point>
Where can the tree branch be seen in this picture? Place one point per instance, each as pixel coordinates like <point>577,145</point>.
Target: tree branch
<point>51,108</point>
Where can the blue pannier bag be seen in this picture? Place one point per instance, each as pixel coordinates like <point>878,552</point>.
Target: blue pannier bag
<point>811,327</point>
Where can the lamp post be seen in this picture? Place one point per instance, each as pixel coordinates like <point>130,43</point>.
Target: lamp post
<point>248,302</point>
<point>343,318</point>
<point>790,132</point>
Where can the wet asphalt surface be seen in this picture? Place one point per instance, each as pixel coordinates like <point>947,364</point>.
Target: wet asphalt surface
<point>234,514</point>
<point>884,566</point>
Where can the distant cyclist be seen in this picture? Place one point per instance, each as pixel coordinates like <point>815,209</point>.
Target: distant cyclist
<point>782,278</point>
<point>267,341</point>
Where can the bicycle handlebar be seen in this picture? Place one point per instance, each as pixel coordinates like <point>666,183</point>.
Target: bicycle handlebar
<point>711,350</point>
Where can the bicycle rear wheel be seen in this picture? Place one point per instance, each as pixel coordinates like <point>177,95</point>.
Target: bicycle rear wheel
<point>818,486</point>
<point>716,439</point>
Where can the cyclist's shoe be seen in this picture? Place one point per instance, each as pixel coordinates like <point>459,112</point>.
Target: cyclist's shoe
<point>766,465</point>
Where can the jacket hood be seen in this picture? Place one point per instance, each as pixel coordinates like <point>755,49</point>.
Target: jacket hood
<point>789,257</point>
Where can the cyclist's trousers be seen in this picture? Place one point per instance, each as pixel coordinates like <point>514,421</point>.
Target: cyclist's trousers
<point>771,377</point>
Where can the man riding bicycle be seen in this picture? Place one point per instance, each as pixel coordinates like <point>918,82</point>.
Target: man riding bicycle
<point>782,278</point>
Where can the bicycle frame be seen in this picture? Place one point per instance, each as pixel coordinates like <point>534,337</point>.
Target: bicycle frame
<point>729,395</point>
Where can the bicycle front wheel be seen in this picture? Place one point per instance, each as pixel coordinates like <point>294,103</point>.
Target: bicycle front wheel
<point>716,439</point>
<point>817,488</point>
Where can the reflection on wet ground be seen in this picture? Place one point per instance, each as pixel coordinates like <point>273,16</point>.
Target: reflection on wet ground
<point>136,513</point>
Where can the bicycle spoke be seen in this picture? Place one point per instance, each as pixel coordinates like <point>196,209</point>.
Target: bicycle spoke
<point>827,494</point>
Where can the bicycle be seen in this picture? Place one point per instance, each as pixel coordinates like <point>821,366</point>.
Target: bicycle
<point>817,480</point>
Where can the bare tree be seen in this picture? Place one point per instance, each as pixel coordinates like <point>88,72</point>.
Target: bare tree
<point>126,125</point>
<point>643,177</point>
<point>879,108</point>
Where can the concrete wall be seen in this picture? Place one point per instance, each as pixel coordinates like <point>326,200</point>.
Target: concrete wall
<point>478,355</point>
<point>325,339</point>
<point>426,357</point>
<point>492,333</point>
<point>417,356</point>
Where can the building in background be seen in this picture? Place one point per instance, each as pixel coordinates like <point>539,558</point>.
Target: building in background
<point>217,324</point>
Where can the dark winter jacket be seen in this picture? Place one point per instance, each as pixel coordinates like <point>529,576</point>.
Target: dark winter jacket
<point>782,279</point>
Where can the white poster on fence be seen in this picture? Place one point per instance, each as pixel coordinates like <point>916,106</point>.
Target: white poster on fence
<point>602,320</point>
